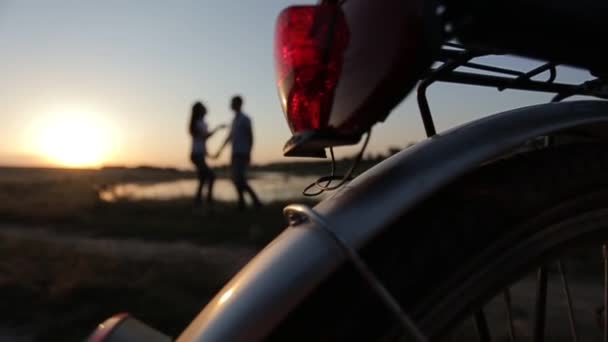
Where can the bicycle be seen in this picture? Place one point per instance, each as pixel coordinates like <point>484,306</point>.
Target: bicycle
<point>417,244</point>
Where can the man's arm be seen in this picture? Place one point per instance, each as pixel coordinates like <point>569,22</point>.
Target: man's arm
<point>219,151</point>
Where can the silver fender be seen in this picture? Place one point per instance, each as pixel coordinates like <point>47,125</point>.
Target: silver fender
<point>255,300</point>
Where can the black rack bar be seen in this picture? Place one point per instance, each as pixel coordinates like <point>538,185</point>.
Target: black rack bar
<point>527,76</point>
<point>505,82</point>
<point>494,69</point>
<point>540,70</point>
<point>561,96</point>
<point>423,104</point>
<point>452,62</point>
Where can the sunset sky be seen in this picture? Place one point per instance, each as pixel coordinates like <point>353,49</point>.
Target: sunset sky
<point>112,82</point>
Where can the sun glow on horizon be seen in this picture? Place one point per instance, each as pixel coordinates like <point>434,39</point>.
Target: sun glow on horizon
<point>74,139</point>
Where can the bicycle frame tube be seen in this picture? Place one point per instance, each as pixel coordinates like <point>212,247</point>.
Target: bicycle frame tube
<point>274,282</point>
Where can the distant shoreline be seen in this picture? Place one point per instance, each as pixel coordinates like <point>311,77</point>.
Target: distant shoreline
<point>299,167</point>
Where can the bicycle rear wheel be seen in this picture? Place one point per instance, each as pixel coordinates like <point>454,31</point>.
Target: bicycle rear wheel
<point>466,245</point>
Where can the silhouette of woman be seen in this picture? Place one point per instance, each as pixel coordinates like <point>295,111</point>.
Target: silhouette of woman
<point>200,133</point>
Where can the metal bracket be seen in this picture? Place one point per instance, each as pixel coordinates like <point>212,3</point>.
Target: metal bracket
<point>298,214</point>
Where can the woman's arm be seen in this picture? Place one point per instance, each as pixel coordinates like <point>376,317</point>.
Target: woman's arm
<point>212,132</point>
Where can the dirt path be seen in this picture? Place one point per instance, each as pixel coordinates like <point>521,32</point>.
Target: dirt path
<point>224,255</point>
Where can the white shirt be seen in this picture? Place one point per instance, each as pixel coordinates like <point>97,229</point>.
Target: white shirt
<point>199,139</point>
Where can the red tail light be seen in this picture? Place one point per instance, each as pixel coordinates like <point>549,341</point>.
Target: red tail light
<point>310,42</point>
<point>343,66</point>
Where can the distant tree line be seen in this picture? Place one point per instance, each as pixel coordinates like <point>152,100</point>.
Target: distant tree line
<point>318,166</point>
<point>314,166</point>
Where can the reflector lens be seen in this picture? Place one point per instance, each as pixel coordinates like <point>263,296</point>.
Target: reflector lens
<point>310,43</point>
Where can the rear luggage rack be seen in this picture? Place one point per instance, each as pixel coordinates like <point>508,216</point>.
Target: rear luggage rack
<point>454,56</point>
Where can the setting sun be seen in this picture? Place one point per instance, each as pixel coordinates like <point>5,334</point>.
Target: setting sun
<point>72,140</point>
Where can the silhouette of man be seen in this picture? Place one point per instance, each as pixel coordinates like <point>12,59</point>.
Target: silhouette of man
<point>241,137</point>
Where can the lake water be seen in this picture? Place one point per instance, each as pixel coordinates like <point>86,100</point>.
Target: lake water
<point>270,186</point>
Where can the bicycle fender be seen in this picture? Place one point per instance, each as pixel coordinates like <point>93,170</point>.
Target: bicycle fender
<point>364,207</point>
<point>274,282</point>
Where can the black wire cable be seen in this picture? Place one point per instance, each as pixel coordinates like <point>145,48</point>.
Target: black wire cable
<point>333,177</point>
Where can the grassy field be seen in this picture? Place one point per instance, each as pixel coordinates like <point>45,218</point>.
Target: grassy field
<point>56,288</point>
<point>69,260</point>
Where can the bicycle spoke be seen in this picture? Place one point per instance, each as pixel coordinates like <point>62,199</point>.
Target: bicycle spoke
<point>562,273</point>
<point>541,305</point>
<point>507,297</point>
<point>482,326</point>
<point>605,253</point>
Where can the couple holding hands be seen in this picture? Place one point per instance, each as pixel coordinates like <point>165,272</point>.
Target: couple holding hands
<point>240,137</point>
